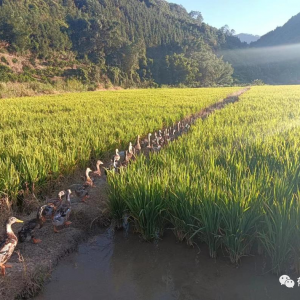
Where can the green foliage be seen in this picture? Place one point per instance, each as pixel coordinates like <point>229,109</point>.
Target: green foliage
<point>5,73</point>
<point>131,42</point>
<point>257,82</point>
<point>4,60</point>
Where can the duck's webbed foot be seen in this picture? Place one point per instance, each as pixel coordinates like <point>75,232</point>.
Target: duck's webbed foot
<point>55,230</point>
<point>36,241</point>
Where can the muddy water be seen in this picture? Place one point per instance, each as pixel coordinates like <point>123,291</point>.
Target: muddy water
<point>122,268</point>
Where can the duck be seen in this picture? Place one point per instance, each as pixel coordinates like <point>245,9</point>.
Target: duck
<point>62,214</point>
<point>8,244</point>
<point>26,233</point>
<point>130,148</point>
<point>149,140</point>
<point>115,168</point>
<point>82,193</point>
<point>138,145</point>
<point>117,156</point>
<point>47,211</point>
<point>97,173</point>
<point>128,157</point>
<point>178,126</point>
<point>56,201</point>
<point>89,181</point>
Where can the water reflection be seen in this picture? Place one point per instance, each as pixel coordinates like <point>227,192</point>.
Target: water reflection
<point>113,267</point>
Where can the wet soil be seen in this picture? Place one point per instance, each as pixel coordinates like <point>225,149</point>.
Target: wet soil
<point>120,268</point>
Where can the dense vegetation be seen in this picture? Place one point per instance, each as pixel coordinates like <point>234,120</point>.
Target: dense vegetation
<point>43,137</point>
<point>125,42</point>
<point>233,182</point>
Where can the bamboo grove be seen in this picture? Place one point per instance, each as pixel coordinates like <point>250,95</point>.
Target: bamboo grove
<point>44,137</point>
<point>231,183</point>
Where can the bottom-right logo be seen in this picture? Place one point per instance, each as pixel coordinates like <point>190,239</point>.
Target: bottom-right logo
<point>287,281</point>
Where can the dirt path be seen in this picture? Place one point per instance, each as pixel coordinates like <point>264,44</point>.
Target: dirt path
<point>33,264</point>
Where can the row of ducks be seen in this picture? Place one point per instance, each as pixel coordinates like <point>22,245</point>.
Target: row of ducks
<point>154,143</point>
<point>56,209</point>
<point>59,211</point>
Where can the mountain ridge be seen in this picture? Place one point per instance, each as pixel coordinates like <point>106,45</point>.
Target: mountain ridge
<point>247,37</point>
<point>287,34</point>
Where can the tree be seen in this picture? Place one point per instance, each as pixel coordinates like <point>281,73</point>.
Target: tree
<point>197,15</point>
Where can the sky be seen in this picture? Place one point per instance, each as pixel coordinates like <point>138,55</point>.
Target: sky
<point>244,16</point>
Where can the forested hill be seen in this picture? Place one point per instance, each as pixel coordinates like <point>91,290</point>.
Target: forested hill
<point>289,33</point>
<point>125,42</point>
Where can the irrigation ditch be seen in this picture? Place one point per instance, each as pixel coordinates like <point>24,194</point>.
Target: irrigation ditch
<point>33,264</point>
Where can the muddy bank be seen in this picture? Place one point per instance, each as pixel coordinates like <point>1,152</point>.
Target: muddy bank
<point>33,264</point>
<point>116,267</point>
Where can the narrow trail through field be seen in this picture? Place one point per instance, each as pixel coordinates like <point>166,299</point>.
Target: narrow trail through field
<point>33,264</point>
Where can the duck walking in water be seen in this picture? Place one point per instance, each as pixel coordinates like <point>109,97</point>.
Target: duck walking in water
<point>62,214</point>
<point>8,245</point>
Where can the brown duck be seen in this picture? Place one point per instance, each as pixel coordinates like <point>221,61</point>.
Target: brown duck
<point>8,245</point>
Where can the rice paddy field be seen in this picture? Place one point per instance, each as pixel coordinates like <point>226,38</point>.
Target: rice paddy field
<point>231,183</point>
<point>44,137</point>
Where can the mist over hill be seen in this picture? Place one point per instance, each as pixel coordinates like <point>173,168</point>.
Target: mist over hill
<point>274,58</point>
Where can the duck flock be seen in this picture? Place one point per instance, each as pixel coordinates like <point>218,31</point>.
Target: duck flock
<point>58,209</point>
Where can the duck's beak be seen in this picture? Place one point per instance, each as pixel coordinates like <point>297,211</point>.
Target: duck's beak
<point>19,221</point>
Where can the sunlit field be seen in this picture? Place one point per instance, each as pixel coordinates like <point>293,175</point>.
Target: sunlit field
<point>232,182</point>
<point>42,137</point>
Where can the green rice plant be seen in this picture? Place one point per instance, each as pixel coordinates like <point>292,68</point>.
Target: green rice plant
<point>147,208</point>
<point>239,217</point>
<point>210,219</point>
<point>295,260</point>
<point>232,182</point>
<point>117,197</point>
<point>181,211</point>
<point>277,232</point>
